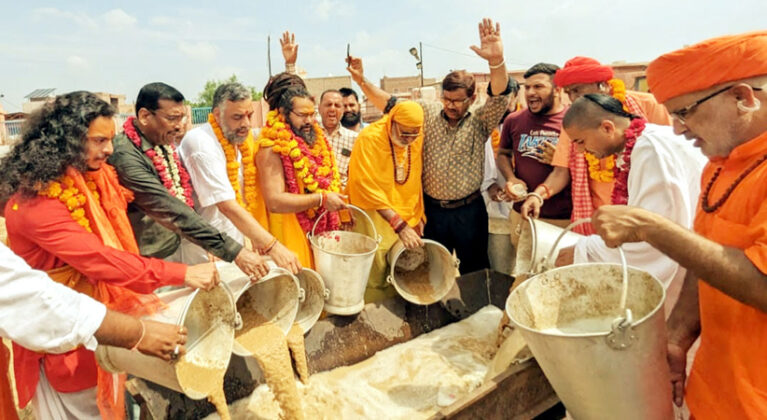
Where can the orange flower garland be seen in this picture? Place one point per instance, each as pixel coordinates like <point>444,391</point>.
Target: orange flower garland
<point>233,167</point>
<point>64,190</point>
<point>618,91</point>
<point>276,135</point>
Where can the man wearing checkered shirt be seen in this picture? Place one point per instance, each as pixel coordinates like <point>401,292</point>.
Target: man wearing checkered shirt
<point>454,150</point>
<point>341,139</point>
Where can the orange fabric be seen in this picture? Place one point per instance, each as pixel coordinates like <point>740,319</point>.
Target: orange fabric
<point>284,226</point>
<point>729,377</point>
<point>707,64</point>
<point>7,405</point>
<point>371,181</point>
<point>109,221</point>
<point>601,192</point>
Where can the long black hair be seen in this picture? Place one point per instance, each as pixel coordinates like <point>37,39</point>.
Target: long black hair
<point>53,138</point>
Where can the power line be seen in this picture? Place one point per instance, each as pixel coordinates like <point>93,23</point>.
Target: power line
<point>472,55</point>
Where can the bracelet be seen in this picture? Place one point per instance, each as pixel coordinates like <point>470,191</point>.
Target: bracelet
<point>536,195</point>
<point>400,227</point>
<point>265,250</point>
<point>548,191</point>
<point>395,221</point>
<point>143,331</point>
<point>290,68</point>
<point>322,200</point>
<point>497,66</point>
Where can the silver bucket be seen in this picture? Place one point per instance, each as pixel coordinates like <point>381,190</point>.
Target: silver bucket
<point>602,365</point>
<point>315,295</point>
<point>537,240</point>
<point>344,259</point>
<point>209,340</point>
<point>430,286</point>
<point>273,298</point>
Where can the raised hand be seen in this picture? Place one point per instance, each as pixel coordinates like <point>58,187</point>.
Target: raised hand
<point>289,47</point>
<point>354,67</point>
<point>491,46</point>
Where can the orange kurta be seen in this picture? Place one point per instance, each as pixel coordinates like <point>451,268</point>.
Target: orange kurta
<point>601,192</point>
<point>729,377</point>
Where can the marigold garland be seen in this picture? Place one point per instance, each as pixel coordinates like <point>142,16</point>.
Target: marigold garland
<point>621,191</point>
<point>233,167</point>
<point>174,176</point>
<point>315,167</point>
<point>64,190</point>
<point>617,91</point>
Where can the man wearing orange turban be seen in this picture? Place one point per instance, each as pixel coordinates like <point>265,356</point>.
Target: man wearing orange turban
<point>592,178</point>
<point>714,91</point>
<point>385,180</point>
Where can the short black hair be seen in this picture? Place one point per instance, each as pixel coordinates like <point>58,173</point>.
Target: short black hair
<point>545,68</point>
<point>345,91</point>
<point>589,110</point>
<point>149,96</point>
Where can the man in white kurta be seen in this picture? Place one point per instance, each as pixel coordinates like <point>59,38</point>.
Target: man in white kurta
<point>500,249</point>
<point>664,178</point>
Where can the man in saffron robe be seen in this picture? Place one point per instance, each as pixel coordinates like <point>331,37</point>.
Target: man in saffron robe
<point>162,211</point>
<point>65,214</point>
<point>385,181</point>
<point>592,181</point>
<point>220,158</point>
<point>297,172</point>
<point>715,91</point>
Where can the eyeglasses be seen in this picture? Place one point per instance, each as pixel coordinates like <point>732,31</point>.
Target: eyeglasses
<point>303,116</point>
<point>172,119</point>
<point>682,113</point>
<point>408,136</point>
<point>455,102</point>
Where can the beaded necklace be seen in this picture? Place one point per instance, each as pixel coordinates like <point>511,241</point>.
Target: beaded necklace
<point>708,208</point>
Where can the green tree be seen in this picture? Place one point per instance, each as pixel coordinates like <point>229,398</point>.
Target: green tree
<point>205,98</point>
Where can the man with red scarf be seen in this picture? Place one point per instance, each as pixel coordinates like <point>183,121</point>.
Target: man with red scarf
<point>65,214</point>
<point>591,177</point>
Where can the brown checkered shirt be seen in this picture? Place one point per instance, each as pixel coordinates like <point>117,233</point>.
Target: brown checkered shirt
<point>453,157</point>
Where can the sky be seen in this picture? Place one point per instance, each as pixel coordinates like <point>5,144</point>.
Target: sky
<point>118,47</point>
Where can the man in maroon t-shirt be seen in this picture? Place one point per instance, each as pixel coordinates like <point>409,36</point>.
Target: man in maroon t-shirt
<point>524,136</point>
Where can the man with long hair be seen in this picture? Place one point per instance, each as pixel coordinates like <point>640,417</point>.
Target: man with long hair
<point>65,214</point>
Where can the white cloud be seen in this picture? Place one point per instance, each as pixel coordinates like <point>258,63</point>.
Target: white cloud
<point>76,62</point>
<point>80,19</point>
<point>204,51</point>
<point>324,8</point>
<point>118,19</point>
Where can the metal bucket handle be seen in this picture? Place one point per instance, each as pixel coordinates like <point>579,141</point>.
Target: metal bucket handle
<point>621,335</point>
<point>534,240</point>
<point>378,238</point>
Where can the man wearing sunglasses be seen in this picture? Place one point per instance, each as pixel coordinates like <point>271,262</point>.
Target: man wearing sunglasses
<point>714,92</point>
<point>454,149</point>
<point>162,213</point>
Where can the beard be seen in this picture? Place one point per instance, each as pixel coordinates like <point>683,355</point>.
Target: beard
<point>547,104</point>
<point>306,132</point>
<point>231,135</point>
<point>350,119</point>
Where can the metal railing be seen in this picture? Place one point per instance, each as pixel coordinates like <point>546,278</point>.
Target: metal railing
<point>10,131</point>
<point>200,115</point>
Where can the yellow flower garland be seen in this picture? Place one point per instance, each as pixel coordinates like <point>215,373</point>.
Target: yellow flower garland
<point>233,167</point>
<point>64,190</point>
<point>275,135</point>
<point>618,91</point>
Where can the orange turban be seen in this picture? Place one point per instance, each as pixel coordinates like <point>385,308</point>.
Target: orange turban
<point>582,70</point>
<point>708,64</point>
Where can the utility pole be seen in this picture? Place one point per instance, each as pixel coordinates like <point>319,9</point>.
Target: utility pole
<point>269,53</point>
<point>418,54</point>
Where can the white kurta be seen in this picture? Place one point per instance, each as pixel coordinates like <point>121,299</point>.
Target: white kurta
<point>205,161</point>
<point>665,179</point>
<point>43,315</point>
